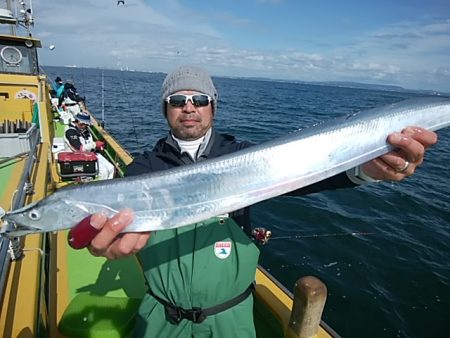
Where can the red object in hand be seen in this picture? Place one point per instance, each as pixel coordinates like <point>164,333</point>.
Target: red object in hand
<point>82,234</point>
<point>100,145</point>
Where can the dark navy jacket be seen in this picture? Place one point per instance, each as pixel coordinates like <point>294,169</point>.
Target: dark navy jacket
<point>166,154</point>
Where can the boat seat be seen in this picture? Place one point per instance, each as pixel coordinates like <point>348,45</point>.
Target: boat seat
<point>95,316</point>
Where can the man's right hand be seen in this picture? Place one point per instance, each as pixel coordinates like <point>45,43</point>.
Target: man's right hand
<point>110,242</point>
<point>99,145</point>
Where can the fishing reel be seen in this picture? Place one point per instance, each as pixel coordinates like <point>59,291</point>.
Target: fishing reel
<point>261,235</point>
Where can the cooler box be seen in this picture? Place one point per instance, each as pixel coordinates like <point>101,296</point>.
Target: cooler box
<point>76,164</point>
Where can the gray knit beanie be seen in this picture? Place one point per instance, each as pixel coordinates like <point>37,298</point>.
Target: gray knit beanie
<point>188,78</point>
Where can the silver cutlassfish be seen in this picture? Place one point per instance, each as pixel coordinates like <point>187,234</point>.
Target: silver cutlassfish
<point>193,193</point>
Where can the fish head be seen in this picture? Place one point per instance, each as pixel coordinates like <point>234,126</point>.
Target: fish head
<point>42,216</point>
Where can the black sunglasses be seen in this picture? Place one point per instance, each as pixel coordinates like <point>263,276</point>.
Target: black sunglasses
<point>179,100</point>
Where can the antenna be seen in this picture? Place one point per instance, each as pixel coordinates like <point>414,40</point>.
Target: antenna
<point>22,17</point>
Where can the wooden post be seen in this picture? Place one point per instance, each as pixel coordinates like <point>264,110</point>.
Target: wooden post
<point>310,295</point>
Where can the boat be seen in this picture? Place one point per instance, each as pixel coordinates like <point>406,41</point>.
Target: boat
<point>47,288</point>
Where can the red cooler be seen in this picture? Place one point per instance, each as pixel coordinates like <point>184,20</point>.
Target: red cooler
<point>76,164</point>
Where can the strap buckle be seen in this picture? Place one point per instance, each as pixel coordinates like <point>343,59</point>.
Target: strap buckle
<point>173,314</point>
<point>176,314</point>
<point>197,314</point>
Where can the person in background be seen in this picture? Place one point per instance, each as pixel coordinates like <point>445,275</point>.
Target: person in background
<point>70,101</point>
<point>79,138</point>
<point>55,92</point>
<point>199,276</point>
<point>57,87</point>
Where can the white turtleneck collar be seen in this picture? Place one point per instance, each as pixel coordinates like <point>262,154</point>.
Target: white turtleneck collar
<point>194,148</point>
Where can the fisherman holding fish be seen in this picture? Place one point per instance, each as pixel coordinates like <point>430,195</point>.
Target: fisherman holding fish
<point>200,276</point>
<point>199,261</point>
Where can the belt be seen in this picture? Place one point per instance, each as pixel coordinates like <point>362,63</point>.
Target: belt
<point>197,315</point>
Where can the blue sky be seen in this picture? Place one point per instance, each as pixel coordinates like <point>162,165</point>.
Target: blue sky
<point>399,42</point>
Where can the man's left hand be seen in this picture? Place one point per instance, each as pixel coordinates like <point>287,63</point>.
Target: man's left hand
<point>410,146</point>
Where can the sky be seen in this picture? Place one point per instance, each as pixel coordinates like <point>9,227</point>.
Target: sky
<point>392,42</point>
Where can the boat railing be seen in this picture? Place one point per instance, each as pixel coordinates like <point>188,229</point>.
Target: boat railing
<point>4,264</point>
<point>23,189</point>
<point>10,248</point>
<point>299,312</point>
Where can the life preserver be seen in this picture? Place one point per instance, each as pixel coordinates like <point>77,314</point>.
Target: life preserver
<point>26,94</point>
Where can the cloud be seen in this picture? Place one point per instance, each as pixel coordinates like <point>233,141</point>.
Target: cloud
<point>156,36</point>
<point>443,72</point>
<point>405,53</point>
<point>94,33</point>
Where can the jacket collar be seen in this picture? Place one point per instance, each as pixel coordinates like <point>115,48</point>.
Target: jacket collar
<point>203,150</point>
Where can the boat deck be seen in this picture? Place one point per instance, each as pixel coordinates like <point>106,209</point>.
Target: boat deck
<point>95,295</point>
<point>9,181</point>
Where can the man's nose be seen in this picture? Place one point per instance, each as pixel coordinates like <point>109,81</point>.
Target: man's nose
<point>189,106</point>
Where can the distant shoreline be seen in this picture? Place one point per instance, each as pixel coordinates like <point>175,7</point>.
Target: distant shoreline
<point>344,84</point>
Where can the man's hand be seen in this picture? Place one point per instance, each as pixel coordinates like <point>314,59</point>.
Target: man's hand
<point>410,146</point>
<point>99,145</point>
<point>110,242</point>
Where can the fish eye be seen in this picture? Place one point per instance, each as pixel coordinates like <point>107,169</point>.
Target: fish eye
<point>34,215</point>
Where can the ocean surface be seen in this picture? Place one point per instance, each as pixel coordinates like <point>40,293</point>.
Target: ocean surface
<point>391,278</point>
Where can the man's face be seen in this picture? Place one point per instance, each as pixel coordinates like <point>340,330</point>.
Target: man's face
<point>189,122</point>
<point>82,126</point>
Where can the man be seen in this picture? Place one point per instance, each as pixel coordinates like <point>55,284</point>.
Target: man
<point>210,265</point>
<point>79,138</point>
<point>70,101</point>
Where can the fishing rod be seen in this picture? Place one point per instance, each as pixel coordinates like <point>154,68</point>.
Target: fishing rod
<point>83,76</point>
<point>103,99</point>
<point>262,235</point>
<point>127,100</point>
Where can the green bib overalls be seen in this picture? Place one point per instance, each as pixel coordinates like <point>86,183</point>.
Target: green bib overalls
<point>199,265</point>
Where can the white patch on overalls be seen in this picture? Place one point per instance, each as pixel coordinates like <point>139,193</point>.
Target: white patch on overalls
<point>222,249</point>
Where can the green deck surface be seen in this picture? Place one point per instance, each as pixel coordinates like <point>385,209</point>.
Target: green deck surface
<point>7,170</point>
<point>104,295</point>
<point>60,128</point>
<point>100,276</point>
